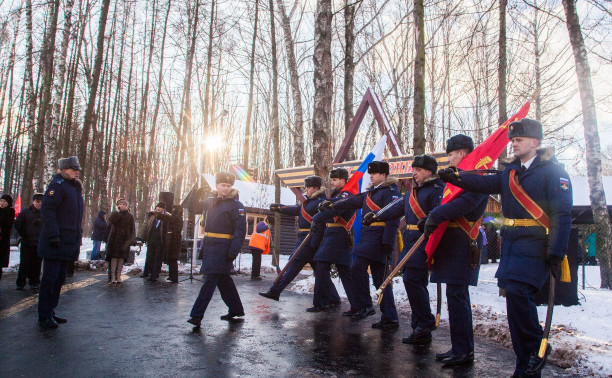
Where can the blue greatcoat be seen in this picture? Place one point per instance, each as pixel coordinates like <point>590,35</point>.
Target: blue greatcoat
<point>311,206</point>
<point>451,260</point>
<point>429,195</point>
<point>62,215</point>
<point>373,237</point>
<point>525,249</point>
<point>223,216</point>
<point>335,247</point>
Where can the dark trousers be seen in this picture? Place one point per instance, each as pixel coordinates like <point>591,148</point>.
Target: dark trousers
<point>460,319</point>
<point>228,292</point>
<point>256,267</point>
<point>325,288</point>
<point>156,251</point>
<point>294,269</point>
<point>53,277</point>
<point>415,282</point>
<point>173,270</point>
<point>29,266</point>
<point>525,329</point>
<point>361,286</point>
<point>70,269</point>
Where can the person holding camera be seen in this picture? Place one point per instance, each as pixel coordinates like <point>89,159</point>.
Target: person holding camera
<point>155,237</point>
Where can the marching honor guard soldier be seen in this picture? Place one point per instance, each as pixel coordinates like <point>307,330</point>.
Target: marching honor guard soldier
<point>60,237</point>
<point>335,248</point>
<point>425,195</point>
<point>536,199</point>
<point>456,260</point>
<point>375,245</point>
<point>224,232</point>
<point>314,196</point>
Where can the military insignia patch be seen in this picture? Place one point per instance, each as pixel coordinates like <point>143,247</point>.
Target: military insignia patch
<point>564,183</point>
<point>51,192</point>
<point>394,198</point>
<point>241,212</point>
<point>344,195</point>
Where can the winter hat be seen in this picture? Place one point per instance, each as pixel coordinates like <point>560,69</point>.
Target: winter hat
<point>69,162</point>
<point>8,198</point>
<point>38,197</point>
<point>459,142</point>
<point>526,127</point>
<point>161,204</point>
<point>313,182</point>
<point>339,173</point>
<point>101,213</point>
<point>378,167</point>
<point>426,162</point>
<point>225,178</point>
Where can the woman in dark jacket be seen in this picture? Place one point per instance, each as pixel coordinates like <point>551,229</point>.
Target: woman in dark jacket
<point>122,234</point>
<point>99,233</point>
<point>174,229</point>
<point>7,217</point>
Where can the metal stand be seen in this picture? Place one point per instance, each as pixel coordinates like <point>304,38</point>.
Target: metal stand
<point>194,249</point>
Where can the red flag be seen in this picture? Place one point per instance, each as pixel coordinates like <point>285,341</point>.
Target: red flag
<point>483,157</point>
<point>17,206</point>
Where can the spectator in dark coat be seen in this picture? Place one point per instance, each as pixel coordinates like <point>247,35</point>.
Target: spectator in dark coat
<point>155,237</point>
<point>7,217</point>
<point>121,235</point>
<point>99,233</point>
<point>172,250</point>
<point>59,246</point>
<point>28,224</point>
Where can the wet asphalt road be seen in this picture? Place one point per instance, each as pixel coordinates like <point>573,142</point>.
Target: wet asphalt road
<point>140,329</point>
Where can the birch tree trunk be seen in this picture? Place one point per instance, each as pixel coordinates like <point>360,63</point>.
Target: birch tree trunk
<point>349,69</point>
<point>418,112</point>
<point>502,67</point>
<point>275,128</point>
<point>247,136</point>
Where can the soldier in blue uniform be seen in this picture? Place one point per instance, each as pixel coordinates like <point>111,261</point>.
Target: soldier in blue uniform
<point>529,250</point>
<point>426,195</point>
<point>335,248</point>
<point>60,237</point>
<point>314,196</point>
<point>375,245</point>
<point>455,261</point>
<point>224,232</point>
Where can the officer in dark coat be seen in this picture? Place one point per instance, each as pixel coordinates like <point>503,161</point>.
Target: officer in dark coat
<point>174,241</point>
<point>60,237</point>
<point>314,196</point>
<point>155,237</point>
<point>28,225</point>
<point>224,232</point>
<point>335,247</point>
<point>453,261</point>
<point>426,194</point>
<point>375,245</point>
<point>529,250</point>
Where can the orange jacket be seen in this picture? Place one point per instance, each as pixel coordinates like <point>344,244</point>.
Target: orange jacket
<point>261,241</point>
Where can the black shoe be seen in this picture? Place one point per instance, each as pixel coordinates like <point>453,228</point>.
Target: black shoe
<point>536,364</point>
<point>386,324</point>
<point>418,336</point>
<point>335,303</point>
<point>34,287</point>
<point>230,316</point>
<point>144,275</point>
<point>268,294</point>
<point>256,278</point>
<point>195,320</point>
<point>445,355</point>
<point>350,312</point>
<point>454,360</point>
<point>364,313</point>
<point>317,309</point>
<point>60,320</point>
<point>152,279</point>
<point>171,281</point>
<point>48,323</point>
<point>19,288</point>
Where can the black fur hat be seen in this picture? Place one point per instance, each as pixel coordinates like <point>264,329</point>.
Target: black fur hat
<point>378,166</point>
<point>426,162</point>
<point>459,142</point>
<point>8,198</point>
<point>526,127</point>
<point>339,173</point>
<point>313,181</point>
<point>225,178</point>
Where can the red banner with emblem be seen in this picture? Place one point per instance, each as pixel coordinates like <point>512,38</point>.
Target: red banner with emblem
<point>483,157</point>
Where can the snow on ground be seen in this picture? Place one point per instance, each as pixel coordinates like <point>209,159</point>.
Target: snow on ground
<point>581,335</point>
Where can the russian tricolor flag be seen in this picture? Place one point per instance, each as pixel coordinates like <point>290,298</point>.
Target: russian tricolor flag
<point>360,180</point>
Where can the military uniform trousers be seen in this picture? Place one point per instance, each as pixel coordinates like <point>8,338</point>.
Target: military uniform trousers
<point>460,319</point>
<point>361,287</point>
<point>525,329</point>
<point>53,277</point>
<point>228,292</point>
<point>415,282</point>
<point>29,266</point>
<point>325,290</point>
<point>292,271</point>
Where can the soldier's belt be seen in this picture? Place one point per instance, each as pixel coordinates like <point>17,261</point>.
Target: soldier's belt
<point>333,225</point>
<point>219,236</point>
<point>378,224</point>
<point>521,223</point>
<point>304,230</point>
<point>453,224</point>
<point>412,227</point>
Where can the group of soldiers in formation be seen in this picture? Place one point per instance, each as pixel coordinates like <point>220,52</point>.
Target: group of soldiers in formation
<point>536,199</point>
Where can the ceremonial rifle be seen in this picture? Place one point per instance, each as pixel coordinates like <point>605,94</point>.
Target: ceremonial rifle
<point>544,343</point>
<point>297,251</point>
<point>439,304</point>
